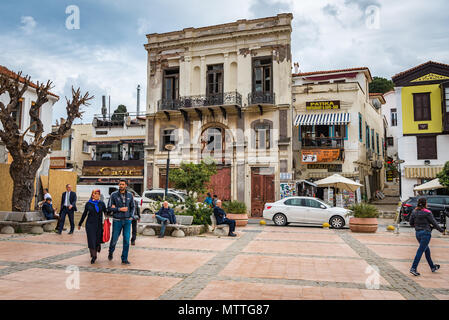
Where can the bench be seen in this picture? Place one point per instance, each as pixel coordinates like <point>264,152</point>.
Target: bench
<point>149,226</point>
<point>220,229</point>
<point>34,222</point>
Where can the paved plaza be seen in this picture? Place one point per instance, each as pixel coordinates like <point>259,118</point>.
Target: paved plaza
<point>263,262</point>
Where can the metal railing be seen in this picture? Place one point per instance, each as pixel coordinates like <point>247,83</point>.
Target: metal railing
<point>261,98</point>
<point>217,99</point>
<point>330,142</point>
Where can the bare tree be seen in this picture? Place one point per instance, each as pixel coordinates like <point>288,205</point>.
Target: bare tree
<point>28,155</point>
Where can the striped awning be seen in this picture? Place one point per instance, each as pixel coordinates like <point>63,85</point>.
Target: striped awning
<point>311,119</point>
<point>426,172</point>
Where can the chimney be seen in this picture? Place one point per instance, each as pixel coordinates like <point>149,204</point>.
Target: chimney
<point>296,65</point>
<point>138,99</point>
<point>103,107</point>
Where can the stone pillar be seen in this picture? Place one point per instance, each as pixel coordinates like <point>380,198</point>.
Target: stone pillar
<point>203,76</point>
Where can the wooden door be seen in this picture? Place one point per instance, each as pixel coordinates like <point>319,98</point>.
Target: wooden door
<point>220,183</point>
<point>262,191</point>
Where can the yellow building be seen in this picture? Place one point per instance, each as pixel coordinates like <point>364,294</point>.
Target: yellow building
<point>423,118</point>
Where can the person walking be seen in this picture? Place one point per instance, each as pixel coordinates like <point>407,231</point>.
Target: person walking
<point>164,216</point>
<point>134,223</point>
<point>68,207</point>
<point>121,204</point>
<point>208,200</point>
<point>423,221</point>
<point>220,216</point>
<point>94,210</point>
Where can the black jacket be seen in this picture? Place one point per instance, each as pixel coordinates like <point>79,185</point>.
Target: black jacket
<point>72,201</point>
<point>219,214</point>
<point>116,200</point>
<point>48,211</point>
<point>424,220</point>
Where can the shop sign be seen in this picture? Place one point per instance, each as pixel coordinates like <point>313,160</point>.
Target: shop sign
<point>320,155</point>
<point>390,175</point>
<point>57,162</point>
<point>323,105</point>
<point>329,167</point>
<point>112,171</point>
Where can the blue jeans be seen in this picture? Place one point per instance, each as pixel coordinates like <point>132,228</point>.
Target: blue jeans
<point>423,238</point>
<point>162,220</point>
<point>117,226</point>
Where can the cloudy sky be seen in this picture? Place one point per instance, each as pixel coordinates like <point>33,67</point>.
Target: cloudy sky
<point>106,55</point>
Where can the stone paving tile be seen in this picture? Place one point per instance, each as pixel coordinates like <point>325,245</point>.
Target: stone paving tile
<point>225,290</point>
<point>326,237</point>
<point>51,284</point>
<point>408,252</point>
<point>26,252</point>
<point>310,248</point>
<point>77,237</point>
<point>318,269</point>
<point>193,243</point>
<point>442,296</point>
<point>396,239</point>
<point>427,279</point>
<point>166,261</point>
<point>299,229</point>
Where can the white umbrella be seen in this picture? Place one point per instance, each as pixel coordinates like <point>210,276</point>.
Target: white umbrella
<point>431,185</point>
<point>338,181</point>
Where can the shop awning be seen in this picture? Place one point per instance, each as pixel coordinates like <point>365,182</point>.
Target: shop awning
<point>315,119</point>
<point>427,172</point>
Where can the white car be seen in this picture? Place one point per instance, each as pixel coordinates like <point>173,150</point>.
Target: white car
<point>305,210</point>
<point>151,197</point>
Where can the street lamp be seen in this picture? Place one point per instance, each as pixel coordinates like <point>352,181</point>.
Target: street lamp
<point>169,147</point>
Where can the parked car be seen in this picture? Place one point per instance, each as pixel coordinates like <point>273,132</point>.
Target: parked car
<point>84,191</point>
<point>149,197</point>
<point>435,203</point>
<point>305,210</point>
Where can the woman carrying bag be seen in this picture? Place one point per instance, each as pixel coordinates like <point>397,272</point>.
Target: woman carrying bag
<point>94,210</point>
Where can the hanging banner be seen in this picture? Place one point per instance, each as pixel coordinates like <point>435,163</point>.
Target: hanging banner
<point>319,155</point>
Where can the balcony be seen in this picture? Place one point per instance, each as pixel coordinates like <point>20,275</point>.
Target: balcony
<point>323,143</point>
<point>210,100</point>
<point>261,98</point>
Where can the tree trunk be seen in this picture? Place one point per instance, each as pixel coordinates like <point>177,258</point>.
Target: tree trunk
<point>23,190</point>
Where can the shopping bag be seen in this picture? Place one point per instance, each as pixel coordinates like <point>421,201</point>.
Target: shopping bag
<point>106,230</point>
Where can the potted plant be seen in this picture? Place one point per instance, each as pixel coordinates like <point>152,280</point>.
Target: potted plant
<point>363,218</point>
<point>237,211</point>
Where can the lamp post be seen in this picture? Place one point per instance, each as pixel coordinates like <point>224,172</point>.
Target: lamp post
<point>169,147</point>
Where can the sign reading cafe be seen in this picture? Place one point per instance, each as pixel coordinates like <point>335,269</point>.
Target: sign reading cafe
<point>323,105</point>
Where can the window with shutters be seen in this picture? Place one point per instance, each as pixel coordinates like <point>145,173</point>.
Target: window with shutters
<point>33,125</point>
<point>171,84</point>
<point>390,142</point>
<point>360,128</point>
<point>17,113</point>
<point>421,106</point>
<point>394,117</point>
<point>427,147</point>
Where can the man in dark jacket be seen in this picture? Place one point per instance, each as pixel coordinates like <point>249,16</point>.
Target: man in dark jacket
<point>134,223</point>
<point>49,211</point>
<point>164,216</point>
<point>68,207</point>
<point>122,205</point>
<point>220,215</point>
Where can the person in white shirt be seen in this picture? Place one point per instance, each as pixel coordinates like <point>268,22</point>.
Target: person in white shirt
<point>46,195</point>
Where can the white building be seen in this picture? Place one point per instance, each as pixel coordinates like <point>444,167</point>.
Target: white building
<point>390,112</point>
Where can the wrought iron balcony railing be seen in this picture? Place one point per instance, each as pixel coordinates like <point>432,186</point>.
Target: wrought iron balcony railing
<point>218,99</point>
<point>323,142</point>
<point>168,104</point>
<point>261,98</point>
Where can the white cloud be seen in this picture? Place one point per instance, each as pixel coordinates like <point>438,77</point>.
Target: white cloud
<point>143,26</point>
<point>28,24</point>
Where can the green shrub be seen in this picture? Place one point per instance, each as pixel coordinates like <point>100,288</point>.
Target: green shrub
<point>201,212</point>
<point>234,207</point>
<point>363,210</point>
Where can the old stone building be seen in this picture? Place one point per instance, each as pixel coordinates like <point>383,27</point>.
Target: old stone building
<point>223,92</point>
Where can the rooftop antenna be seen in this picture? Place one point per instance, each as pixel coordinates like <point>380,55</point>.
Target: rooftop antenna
<point>103,107</point>
<point>109,107</point>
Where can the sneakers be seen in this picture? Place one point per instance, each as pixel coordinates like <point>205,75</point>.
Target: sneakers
<point>435,267</point>
<point>126,262</point>
<point>414,272</point>
<point>110,257</point>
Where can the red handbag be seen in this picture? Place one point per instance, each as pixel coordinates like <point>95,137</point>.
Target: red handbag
<point>106,230</point>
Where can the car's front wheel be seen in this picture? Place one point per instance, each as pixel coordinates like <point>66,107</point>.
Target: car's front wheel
<point>337,222</point>
<point>280,219</point>
<point>146,211</point>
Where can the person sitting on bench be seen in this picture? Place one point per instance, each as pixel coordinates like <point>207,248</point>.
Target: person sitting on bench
<point>220,215</point>
<point>49,211</point>
<point>164,216</point>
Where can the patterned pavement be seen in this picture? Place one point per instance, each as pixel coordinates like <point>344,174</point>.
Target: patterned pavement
<point>263,262</point>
